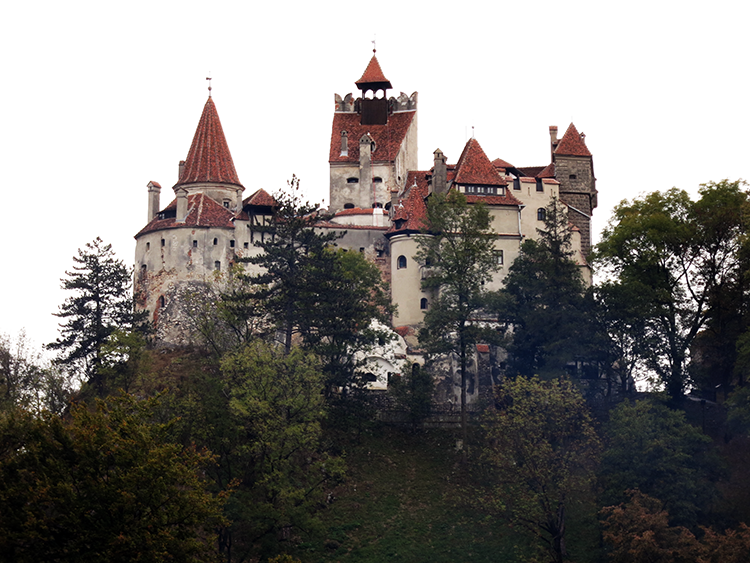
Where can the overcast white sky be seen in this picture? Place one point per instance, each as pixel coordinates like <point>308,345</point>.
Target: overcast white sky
<point>102,97</point>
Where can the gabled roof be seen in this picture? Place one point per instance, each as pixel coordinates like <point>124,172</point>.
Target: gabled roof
<point>202,212</point>
<point>260,198</point>
<point>475,168</point>
<point>411,211</point>
<point>548,172</point>
<point>209,159</point>
<point>388,138</point>
<point>572,144</point>
<point>500,163</point>
<point>373,77</point>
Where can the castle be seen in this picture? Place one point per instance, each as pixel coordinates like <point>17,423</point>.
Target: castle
<point>377,198</point>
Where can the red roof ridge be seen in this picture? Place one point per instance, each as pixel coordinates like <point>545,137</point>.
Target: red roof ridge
<point>261,198</point>
<point>572,143</point>
<point>500,163</point>
<point>209,159</point>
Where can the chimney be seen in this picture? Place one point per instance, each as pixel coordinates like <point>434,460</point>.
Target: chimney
<point>180,169</point>
<point>365,170</point>
<point>344,144</point>
<point>439,173</point>
<point>394,202</point>
<point>154,194</point>
<point>553,137</point>
<point>182,205</point>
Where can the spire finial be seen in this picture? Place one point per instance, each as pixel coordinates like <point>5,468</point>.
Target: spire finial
<point>373,45</point>
<point>209,84</point>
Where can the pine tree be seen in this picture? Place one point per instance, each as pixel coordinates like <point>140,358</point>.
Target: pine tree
<point>101,302</point>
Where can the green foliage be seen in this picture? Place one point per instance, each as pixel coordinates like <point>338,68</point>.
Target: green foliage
<point>654,449</point>
<point>681,262</point>
<point>277,406</point>
<point>413,393</point>
<point>27,381</point>
<point>459,247</point>
<point>638,531</point>
<point>101,302</point>
<point>105,485</point>
<point>542,449</point>
<point>547,304</point>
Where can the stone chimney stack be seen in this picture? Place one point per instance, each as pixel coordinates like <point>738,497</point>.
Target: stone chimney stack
<point>238,204</point>
<point>344,143</point>
<point>180,168</point>
<point>154,195</point>
<point>182,205</point>
<point>394,201</point>
<point>553,137</point>
<point>439,173</point>
<point>365,170</point>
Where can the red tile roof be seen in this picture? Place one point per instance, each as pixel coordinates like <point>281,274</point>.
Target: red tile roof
<point>411,210</point>
<point>572,144</point>
<point>209,159</point>
<point>500,163</point>
<point>373,77</point>
<point>260,198</point>
<point>475,168</point>
<point>388,138</point>
<point>548,172</point>
<point>202,212</point>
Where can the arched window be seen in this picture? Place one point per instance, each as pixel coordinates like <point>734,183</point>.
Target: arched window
<point>423,304</point>
<point>216,241</point>
<point>162,301</point>
<point>401,263</point>
<point>352,180</point>
<point>348,206</point>
<point>377,180</point>
<point>541,214</point>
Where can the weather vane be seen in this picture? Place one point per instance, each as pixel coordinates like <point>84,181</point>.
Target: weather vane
<point>209,84</point>
<point>373,45</point>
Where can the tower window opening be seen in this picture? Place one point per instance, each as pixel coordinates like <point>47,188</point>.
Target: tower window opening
<point>195,243</point>
<point>148,246</point>
<point>539,185</point>
<point>362,249</point>
<point>377,205</point>
<point>216,241</point>
<point>352,180</point>
<point>246,245</point>
<point>572,177</point>
<point>163,242</point>
<point>423,304</point>
<point>231,244</point>
<point>377,180</point>
<point>541,214</point>
<point>348,206</point>
<point>217,265</point>
<point>499,257</point>
<point>226,203</point>
<point>162,301</point>
<point>401,262</point>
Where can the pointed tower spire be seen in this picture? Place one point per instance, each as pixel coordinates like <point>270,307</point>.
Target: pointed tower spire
<point>209,159</point>
<point>373,78</point>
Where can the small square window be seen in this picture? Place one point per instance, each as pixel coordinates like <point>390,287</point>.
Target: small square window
<point>217,265</point>
<point>499,257</point>
<point>231,244</point>
<point>216,241</point>
<point>163,242</point>
<point>246,245</point>
<point>195,244</point>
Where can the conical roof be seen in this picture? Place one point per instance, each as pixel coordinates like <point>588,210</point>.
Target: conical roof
<point>474,167</point>
<point>572,144</point>
<point>209,159</point>
<point>373,78</point>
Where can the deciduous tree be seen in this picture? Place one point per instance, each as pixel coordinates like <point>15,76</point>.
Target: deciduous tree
<point>542,449</point>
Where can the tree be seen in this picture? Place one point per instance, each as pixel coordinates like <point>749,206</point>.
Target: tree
<point>101,303</point>
<point>547,305</point>
<point>680,260</point>
<point>277,405</point>
<point>458,245</point>
<point>327,298</point>
<point>542,450</point>
<point>104,485</point>
<point>654,449</point>
<point>27,381</point>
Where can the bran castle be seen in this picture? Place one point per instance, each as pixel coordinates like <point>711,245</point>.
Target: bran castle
<point>377,197</point>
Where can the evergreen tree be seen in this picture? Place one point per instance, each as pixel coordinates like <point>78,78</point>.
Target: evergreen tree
<point>101,302</point>
<point>458,246</point>
<point>546,303</point>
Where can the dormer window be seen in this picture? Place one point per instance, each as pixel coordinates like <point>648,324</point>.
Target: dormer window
<point>226,203</point>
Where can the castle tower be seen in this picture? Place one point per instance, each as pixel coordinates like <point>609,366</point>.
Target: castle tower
<point>196,235</point>
<point>373,143</point>
<point>574,169</point>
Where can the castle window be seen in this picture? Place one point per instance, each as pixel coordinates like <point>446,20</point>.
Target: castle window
<point>216,241</point>
<point>148,246</point>
<point>572,177</point>
<point>143,269</point>
<point>377,180</point>
<point>352,180</point>
<point>348,206</point>
<point>162,301</point>
<point>226,203</point>
<point>388,206</point>
<point>539,185</point>
<point>516,184</point>
<point>246,245</point>
<point>499,257</point>
<point>163,242</point>
<point>423,304</point>
<point>401,262</point>
<point>362,249</point>
<point>195,244</point>
<point>231,244</point>
<point>541,214</point>
<point>377,205</point>
<point>217,265</point>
